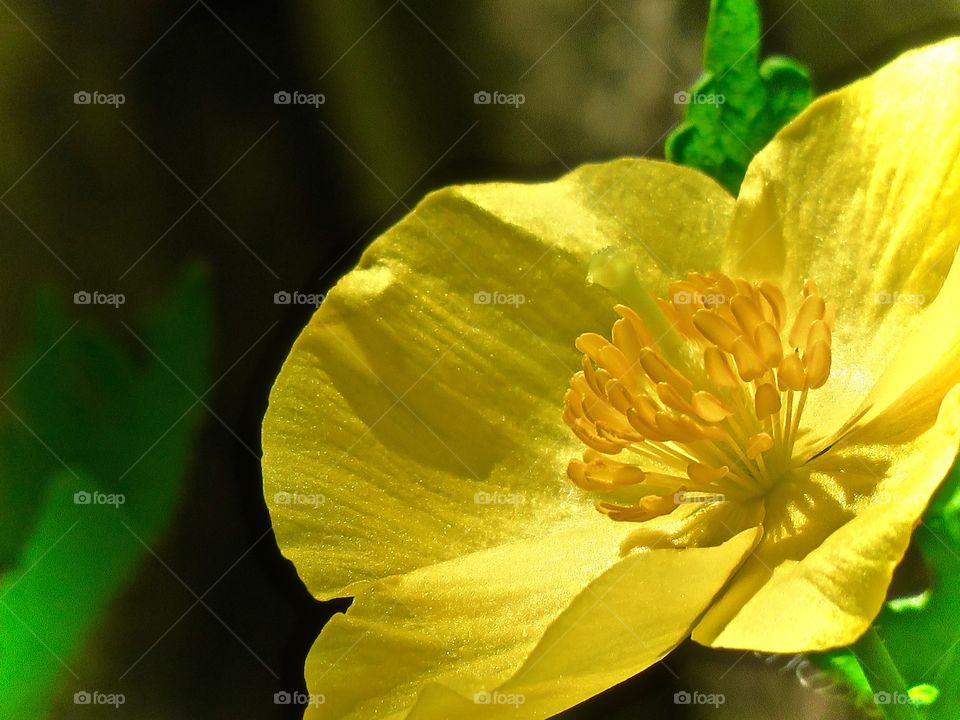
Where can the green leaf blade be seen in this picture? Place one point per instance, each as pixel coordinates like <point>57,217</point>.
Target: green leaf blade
<point>114,422</point>
<point>739,104</point>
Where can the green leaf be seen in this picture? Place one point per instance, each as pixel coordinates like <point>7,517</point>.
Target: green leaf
<point>739,103</point>
<point>90,416</point>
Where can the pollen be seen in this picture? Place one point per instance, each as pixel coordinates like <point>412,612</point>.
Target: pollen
<point>709,411</point>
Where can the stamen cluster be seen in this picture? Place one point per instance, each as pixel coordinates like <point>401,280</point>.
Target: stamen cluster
<point>709,409</point>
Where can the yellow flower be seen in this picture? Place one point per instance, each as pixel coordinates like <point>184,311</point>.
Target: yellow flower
<point>763,432</point>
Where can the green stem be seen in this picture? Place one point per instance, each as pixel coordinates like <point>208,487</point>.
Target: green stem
<point>884,677</point>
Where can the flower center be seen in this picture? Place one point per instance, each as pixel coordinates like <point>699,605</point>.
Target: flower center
<point>708,410</point>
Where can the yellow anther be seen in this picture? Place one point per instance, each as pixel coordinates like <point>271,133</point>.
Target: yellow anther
<point>588,435</point>
<point>647,409</point>
<point>576,471</point>
<point>601,474</point>
<point>650,507</point>
<point>811,309</point>
<point>678,429</point>
<point>816,361</point>
<point>718,368</point>
<point>625,338</point>
<point>659,370</point>
<point>644,426</point>
<point>590,343</point>
<point>744,287</point>
<point>776,303</point>
<point>672,399</point>
<point>704,474</point>
<point>727,287</point>
<point>747,313</point>
<point>819,332</point>
<point>595,379</point>
<point>790,373</point>
<point>639,328</point>
<point>767,401</point>
<point>715,329</point>
<point>615,362</point>
<point>621,398</point>
<point>708,407</point>
<point>749,364</point>
<point>759,443</point>
<point>768,344</point>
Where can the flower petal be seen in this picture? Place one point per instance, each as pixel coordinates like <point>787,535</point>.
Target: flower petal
<point>860,193</point>
<point>518,626</point>
<point>922,369</point>
<point>413,422</point>
<point>827,556</point>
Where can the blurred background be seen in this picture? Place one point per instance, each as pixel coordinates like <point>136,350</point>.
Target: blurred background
<point>157,193</point>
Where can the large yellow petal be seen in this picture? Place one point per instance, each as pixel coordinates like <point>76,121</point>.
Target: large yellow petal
<point>521,631</point>
<point>411,425</point>
<point>923,368</point>
<point>860,193</point>
<point>819,576</point>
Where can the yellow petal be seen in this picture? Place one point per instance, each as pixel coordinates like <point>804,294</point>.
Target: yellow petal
<point>415,422</point>
<point>924,367</point>
<point>819,576</point>
<point>860,193</point>
<point>534,628</point>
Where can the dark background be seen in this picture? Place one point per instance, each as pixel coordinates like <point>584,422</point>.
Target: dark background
<point>97,197</point>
